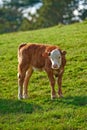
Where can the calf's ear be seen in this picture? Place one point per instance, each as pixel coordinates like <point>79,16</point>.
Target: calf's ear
<point>64,52</point>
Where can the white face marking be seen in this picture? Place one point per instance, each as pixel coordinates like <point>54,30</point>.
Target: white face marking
<point>55,57</point>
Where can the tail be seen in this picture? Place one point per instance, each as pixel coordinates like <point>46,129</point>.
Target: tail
<point>19,55</point>
<point>22,45</point>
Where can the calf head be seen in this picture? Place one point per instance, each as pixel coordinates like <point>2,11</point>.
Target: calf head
<point>56,56</point>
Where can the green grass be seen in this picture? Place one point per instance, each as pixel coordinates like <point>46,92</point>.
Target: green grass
<point>40,112</point>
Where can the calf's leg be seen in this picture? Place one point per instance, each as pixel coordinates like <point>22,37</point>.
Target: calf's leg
<point>52,84</point>
<point>20,85</point>
<point>26,80</point>
<point>59,81</point>
<point>21,75</point>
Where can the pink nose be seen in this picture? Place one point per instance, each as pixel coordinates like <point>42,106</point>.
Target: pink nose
<point>55,66</point>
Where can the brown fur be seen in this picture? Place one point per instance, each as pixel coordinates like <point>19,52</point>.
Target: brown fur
<point>37,56</point>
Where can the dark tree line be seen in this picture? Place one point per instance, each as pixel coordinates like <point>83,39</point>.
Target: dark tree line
<point>11,16</point>
<point>52,12</point>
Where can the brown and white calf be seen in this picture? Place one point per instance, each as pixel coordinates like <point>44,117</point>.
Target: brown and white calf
<point>51,59</point>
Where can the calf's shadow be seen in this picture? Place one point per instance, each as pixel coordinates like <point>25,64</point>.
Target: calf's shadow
<point>17,106</point>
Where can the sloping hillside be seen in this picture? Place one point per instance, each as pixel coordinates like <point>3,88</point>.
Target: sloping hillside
<point>39,112</point>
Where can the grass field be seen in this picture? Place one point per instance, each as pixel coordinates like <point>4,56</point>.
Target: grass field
<point>39,112</point>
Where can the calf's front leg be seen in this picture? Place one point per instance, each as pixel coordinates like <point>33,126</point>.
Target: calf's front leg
<point>52,84</point>
<point>59,82</point>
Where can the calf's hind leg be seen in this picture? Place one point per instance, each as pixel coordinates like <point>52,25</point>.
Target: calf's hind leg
<point>21,75</point>
<point>26,80</point>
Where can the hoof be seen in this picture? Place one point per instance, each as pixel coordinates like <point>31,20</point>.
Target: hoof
<point>60,96</point>
<point>20,97</point>
<point>53,97</point>
<point>25,96</point>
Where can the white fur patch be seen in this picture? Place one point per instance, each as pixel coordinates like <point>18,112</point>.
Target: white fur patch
<point>55,57</point>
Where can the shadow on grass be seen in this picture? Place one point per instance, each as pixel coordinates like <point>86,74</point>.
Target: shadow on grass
<point>75,100</point>
<point>15,106</point>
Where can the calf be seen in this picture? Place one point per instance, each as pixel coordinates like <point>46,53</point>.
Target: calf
<point>51,59</point>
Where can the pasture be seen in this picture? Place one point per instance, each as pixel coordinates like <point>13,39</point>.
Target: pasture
<point>39,112</point>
